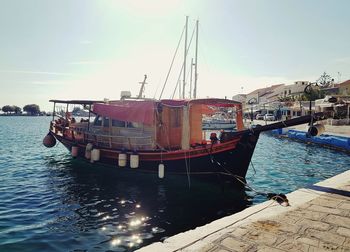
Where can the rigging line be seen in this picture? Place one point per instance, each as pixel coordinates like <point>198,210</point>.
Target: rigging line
<point>187,171</point>
<point>155,93</point>
<point>187,49</point>
<point>172,62</point>
<point>272,196</point>
<point>238,178</point>
<point>202,48</point>
<point>251,162</point>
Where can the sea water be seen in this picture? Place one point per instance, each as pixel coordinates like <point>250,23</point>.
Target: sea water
<point>52,202</point>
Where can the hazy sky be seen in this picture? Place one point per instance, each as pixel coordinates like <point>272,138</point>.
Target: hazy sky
<point>81,49</point>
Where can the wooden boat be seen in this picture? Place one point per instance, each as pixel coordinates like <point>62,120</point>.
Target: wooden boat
<point>160,136</point>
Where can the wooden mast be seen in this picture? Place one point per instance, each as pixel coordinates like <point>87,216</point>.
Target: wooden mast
<point>191,78</point>
<point>196,64</point>
<point>185,56</point>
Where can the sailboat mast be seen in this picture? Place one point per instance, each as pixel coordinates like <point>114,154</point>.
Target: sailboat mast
<point>185,56</point>
<point>191,79</point>
<point>196,64</point>
<point>142,87</point>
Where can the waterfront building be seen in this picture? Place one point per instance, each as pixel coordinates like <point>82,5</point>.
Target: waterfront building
<point>344,88</point>
<point>240,98</point>
<point>295,90</point>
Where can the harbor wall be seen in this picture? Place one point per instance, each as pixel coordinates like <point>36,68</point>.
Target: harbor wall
<point>216,235</point>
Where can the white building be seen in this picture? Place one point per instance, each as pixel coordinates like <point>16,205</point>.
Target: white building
<point>294,90</point>
<point>240,98</point>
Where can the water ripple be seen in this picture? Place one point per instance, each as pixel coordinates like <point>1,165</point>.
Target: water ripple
<point>50,202</point>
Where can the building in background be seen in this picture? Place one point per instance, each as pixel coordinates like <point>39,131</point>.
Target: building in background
<point>240,98</point>
<point>344,88</point>
<point>295,90</point>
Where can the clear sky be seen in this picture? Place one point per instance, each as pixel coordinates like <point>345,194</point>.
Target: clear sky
<point>86,49</point>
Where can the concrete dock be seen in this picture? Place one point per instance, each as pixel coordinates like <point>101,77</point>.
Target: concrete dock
<point>318,219</point>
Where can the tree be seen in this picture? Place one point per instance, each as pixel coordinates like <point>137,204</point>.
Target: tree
<point>325,80</point>
<point>8,109</point>
<point>17,110</point>
<point>32,109</point>
<point>313,93</point>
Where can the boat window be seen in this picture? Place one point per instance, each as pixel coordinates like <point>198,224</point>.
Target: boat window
<point>117,123</point>
<point>105,121</point>
<point>98,121</point>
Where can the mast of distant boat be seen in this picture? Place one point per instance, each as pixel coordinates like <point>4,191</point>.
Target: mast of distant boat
<point>142,87</point>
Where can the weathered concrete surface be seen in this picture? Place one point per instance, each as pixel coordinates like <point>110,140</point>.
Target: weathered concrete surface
<point>315,221</point>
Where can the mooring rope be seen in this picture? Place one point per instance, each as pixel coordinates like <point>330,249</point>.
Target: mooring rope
<point>187,171</point>
<point>278,197</point>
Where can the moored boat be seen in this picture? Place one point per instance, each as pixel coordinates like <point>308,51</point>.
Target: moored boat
<point>160,136</point>
<point>218,121</point>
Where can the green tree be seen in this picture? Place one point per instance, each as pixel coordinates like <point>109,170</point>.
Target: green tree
<point>325,80</point>
<point>17,110</point>
<point>313,93</point>
<point>8,109</point>
<point>32,109</point>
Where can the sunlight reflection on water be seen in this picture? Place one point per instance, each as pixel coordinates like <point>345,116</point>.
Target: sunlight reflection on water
<point>51,202</point>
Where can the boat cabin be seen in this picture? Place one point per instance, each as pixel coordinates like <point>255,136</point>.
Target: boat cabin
<point>144,124</point>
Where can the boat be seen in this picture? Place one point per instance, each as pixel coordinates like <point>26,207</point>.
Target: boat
<point>160,136</point>
<point>218,121</point>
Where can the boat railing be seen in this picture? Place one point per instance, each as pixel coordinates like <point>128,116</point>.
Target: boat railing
<point>113,141</point>
<point>79,133</point>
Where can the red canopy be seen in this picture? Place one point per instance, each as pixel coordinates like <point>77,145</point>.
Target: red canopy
<point>129,111</point>
<point>217,102</point>
<point>143,111</point>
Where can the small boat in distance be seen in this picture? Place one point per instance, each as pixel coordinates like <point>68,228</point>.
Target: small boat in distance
<point>160,136</point>
<point>218,121</point>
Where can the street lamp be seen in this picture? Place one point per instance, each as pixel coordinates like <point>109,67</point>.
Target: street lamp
<point>308,90</point>
<point>252,101</point>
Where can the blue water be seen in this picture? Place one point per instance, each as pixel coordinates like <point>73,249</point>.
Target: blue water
<point>50,202</point>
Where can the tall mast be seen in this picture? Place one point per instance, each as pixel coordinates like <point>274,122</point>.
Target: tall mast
<point>196,64</point>
<point>191,79</point>
<point>185,55</point>
<point>142,87</point>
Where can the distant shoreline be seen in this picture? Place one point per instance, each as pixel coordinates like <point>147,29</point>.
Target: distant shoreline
<point>22,115</point>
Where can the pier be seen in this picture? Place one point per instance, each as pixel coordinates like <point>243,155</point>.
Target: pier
<point>318,219</point>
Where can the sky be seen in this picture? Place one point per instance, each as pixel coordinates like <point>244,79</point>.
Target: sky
<point>85,49</point>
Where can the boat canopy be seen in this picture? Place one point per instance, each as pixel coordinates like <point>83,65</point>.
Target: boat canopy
<point>127,110</point>
<point>210,102</point>
<point>80,102</point>
<point>143,111</point>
